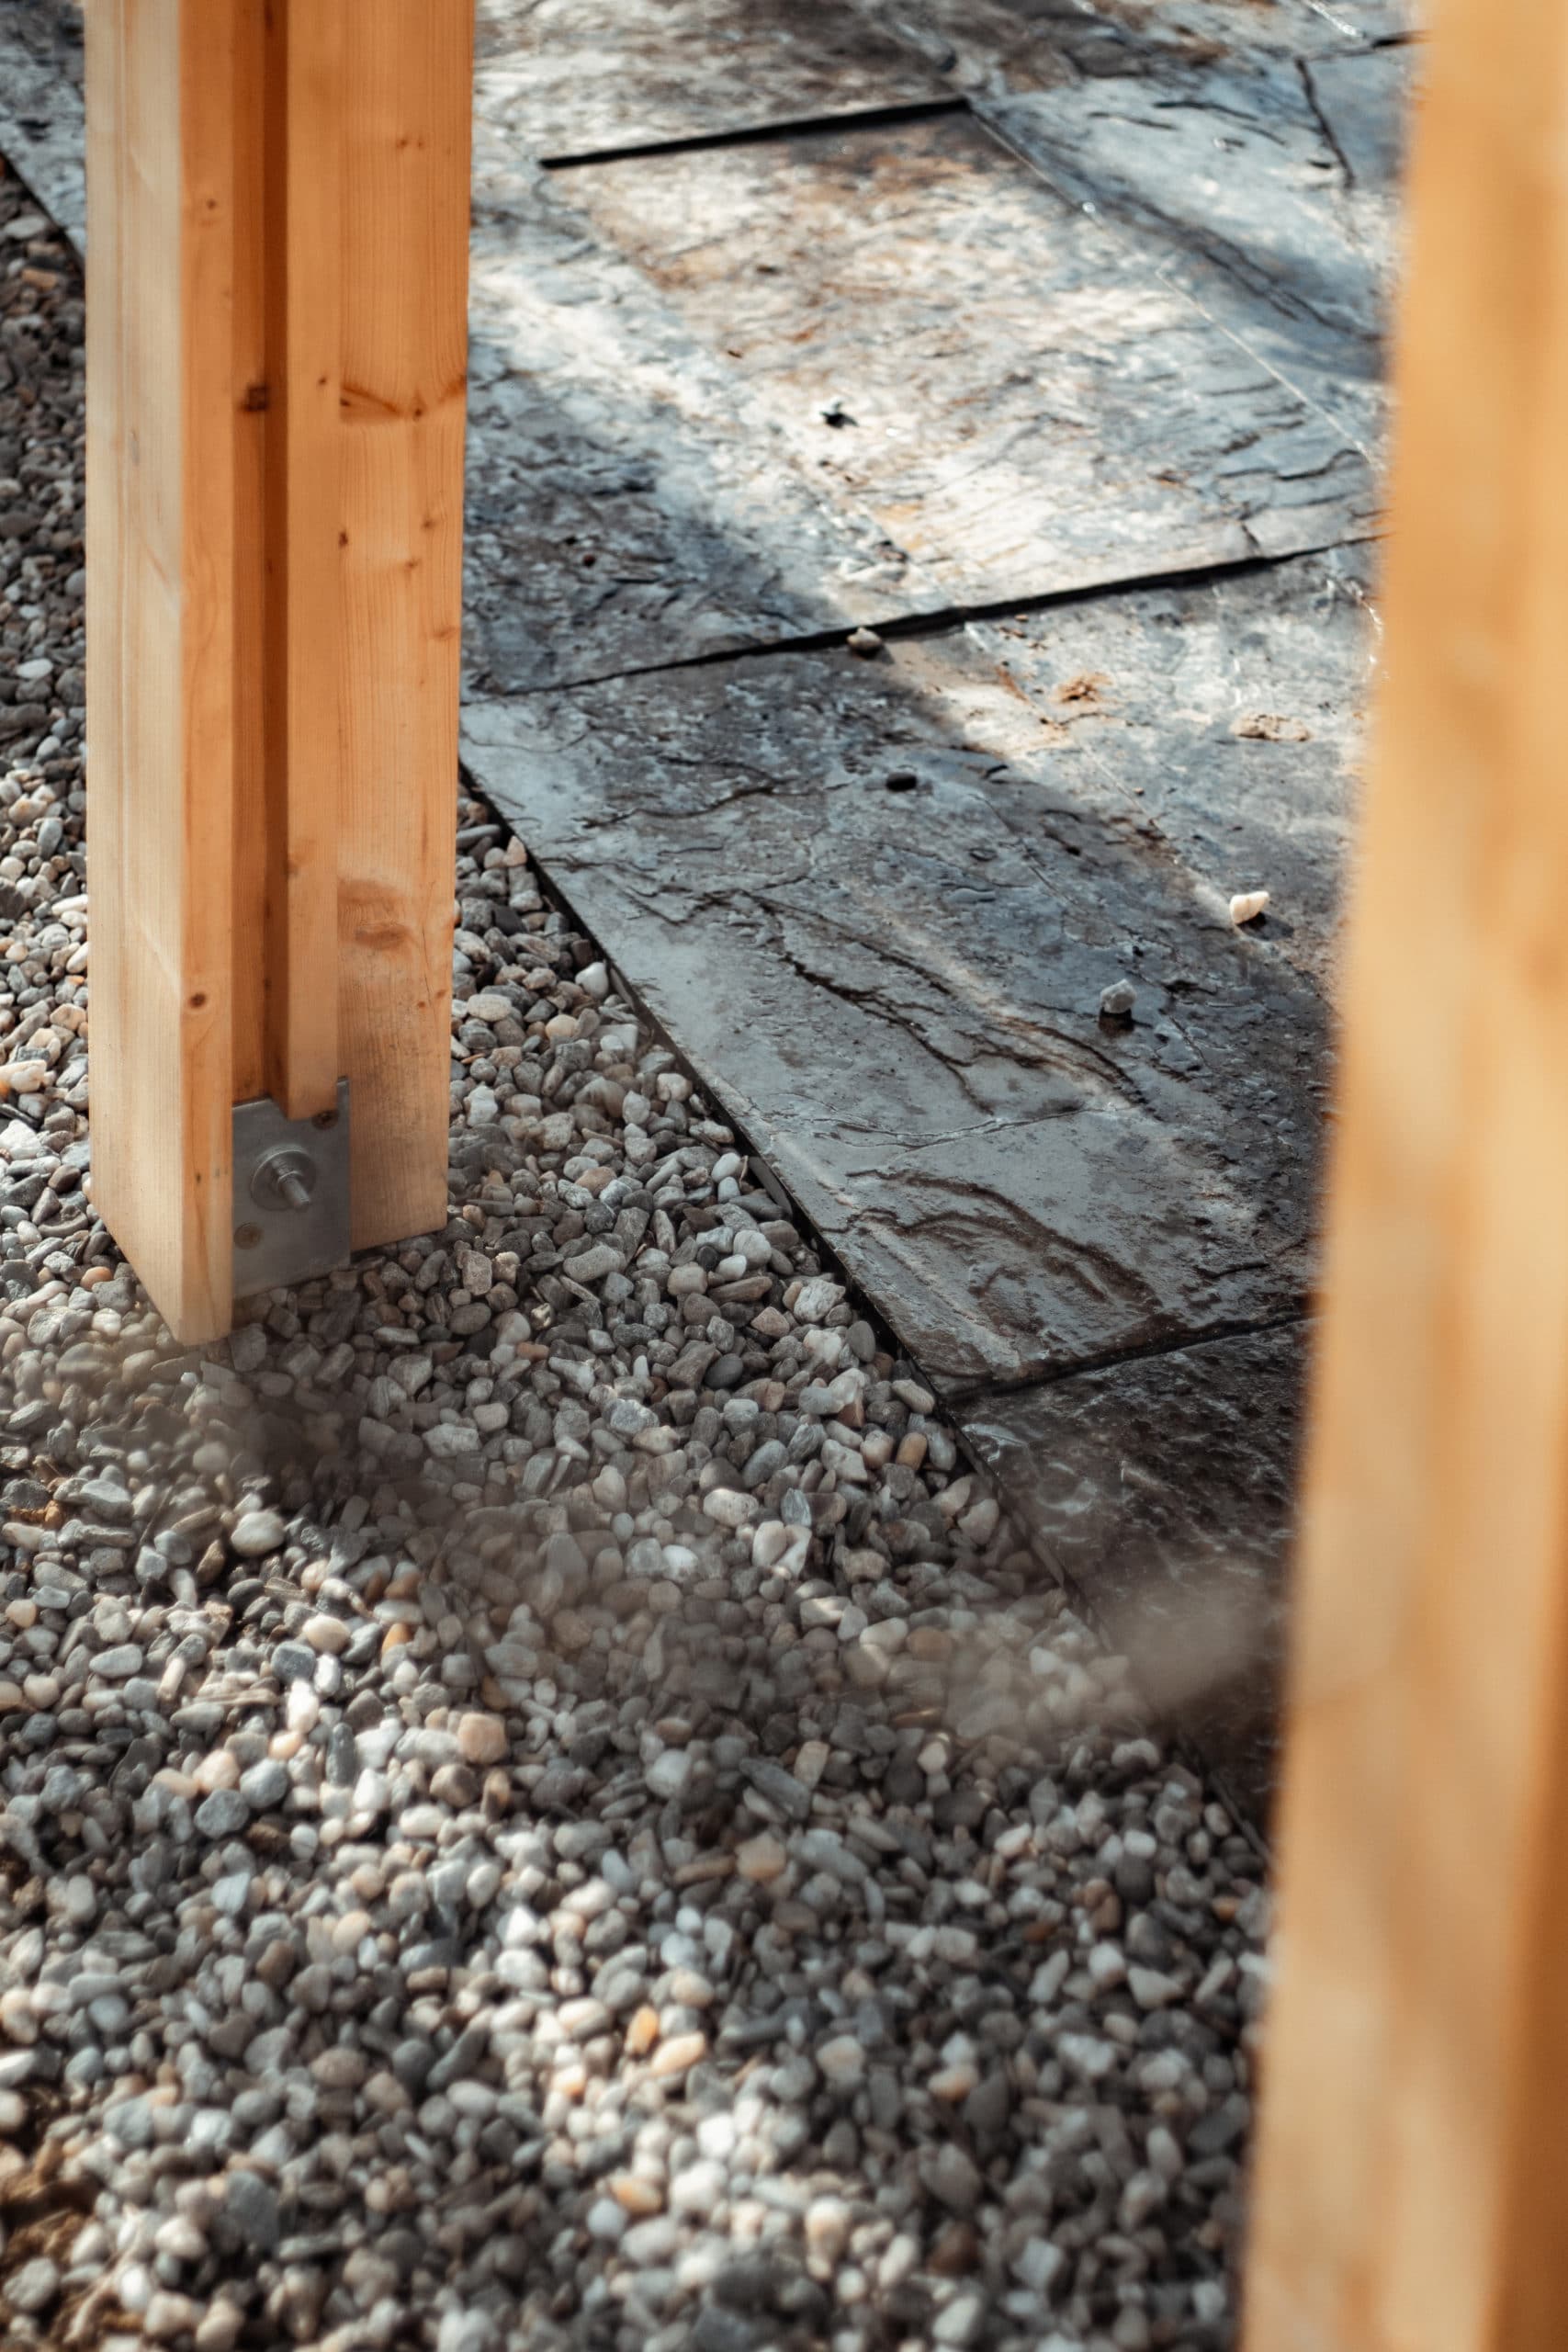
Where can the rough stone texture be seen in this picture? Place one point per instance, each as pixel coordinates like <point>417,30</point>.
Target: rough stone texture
<point>1162,1489</point>
<point>879,904</point>
<point>563,78</point>
<point>990,46</point>
<point>629,501</point>
<point>41,105</point>
<point>1088,423</point>
<point>685,441</point>
<point>1231,715</point>
<point>653,473</point>
<point>1267,188</point>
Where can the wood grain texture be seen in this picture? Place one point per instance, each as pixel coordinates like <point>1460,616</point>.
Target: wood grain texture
<point>408,77</point>
<point>160,556</point>
<point>249,398</point>
<point>306,105</point>
<point>1411,2187</point>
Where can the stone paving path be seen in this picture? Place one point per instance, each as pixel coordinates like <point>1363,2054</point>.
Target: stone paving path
<point>1044,343</point>
<point>542,1803</point>
<point>1074,393</point>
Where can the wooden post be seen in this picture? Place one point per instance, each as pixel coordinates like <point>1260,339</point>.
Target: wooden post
<point>1412,2189</point>
<point>278,282</point>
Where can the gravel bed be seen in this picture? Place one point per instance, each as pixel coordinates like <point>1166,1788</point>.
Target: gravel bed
<point>539,1803</point>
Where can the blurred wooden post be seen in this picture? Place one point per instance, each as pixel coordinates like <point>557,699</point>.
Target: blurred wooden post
<point>277,293</point>
<point>1412,2189</point>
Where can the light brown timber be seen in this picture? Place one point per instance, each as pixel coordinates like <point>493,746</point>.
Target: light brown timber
<point>408,68</point>
<point>161,557</point>
<point>307,102</point>
<point>1411,2188</point>
<point>277,344</point>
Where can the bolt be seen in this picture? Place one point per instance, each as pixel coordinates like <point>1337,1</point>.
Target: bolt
<point>285,1179</point>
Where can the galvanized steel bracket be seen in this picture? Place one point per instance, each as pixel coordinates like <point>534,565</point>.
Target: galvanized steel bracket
<point>290,1193</point>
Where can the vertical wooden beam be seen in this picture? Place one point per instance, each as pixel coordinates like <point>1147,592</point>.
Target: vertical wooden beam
<point>253,395</point>
<point>1413,2173</point>
<point>277,345</point>
<point>306,103</point>
<point>408,69</point>
<point>161,557</point>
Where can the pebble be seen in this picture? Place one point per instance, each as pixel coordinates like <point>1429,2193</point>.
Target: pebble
<point>761,1859</point>
<point>669,1772</point>
<point>482,1740</point>
<point>251,2206</point>
<point>676,2056</point>
<point>33,2287</point>
<point>953,2180</point>
<point>257,1532</point>
<point>222,1815</point>
<point>546,1810</point>
<point>841,2060</point>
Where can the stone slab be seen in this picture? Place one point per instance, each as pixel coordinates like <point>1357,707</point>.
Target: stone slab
<point>653,476</point>
<point>1021,400</point>
<point>629,501</point>
<point>1268,188</point>
<point>1000,46</point>
<point>41,130</point>
<point>568,77</point>
<point>877,904</point>
<point>1231,715</point>
<point>1163,1490</point>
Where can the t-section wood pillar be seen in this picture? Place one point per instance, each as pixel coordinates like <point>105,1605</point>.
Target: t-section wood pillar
<point>277,341</point>
<point>1412,2191</point>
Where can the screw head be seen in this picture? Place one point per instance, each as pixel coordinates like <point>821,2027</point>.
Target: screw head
<point>247,1237</point>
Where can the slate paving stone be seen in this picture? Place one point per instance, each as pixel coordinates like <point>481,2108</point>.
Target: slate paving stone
<point>667,353</point>
<point>40,106</point>
<point>629,501</point>
<point>879,903</point>
<point>1267,188</point>
<point>1020,398</point>
<point>569,77</point>
<point>1233,714</point>
<point>998,45</point>
<point>1162,1489</point>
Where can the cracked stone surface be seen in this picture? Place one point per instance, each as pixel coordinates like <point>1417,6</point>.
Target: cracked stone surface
<point>992,46</point>
<point>880,902</point>
<point>543,1806</point>
<point>1162,1489</point>
<point>1230,715</point>
<point>1287,236</point>
<point>41,105</point>
<point>1086,421</point>
<point>563,78</point>
<point>717,400</point>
